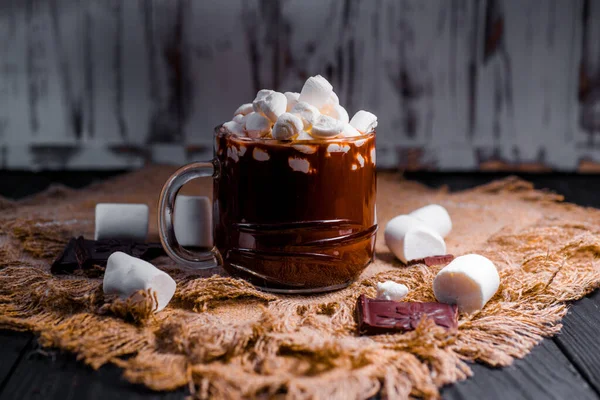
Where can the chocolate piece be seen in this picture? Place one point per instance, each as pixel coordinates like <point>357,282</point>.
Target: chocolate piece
<point>82,254</point>
<point>385,316</point>
<point>433,260</point>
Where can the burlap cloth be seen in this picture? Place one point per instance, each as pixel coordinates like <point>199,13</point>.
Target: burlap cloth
<point>223,338</point>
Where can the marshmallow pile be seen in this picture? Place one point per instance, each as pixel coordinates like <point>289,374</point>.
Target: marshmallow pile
<point>314,113</point>
<point>469,281</point>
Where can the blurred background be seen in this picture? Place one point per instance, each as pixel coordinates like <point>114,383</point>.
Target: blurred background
<point>458,85</point>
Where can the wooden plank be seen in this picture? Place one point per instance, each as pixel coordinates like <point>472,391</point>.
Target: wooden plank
<point>588,107</point>
<point>435,60</point>
<point>217,65</point>
<point>579,338</point>
<point>56,375</point>
<point>103,34</point>
<point>527,82</point>
<point>13,347</point>
<point>545,373</point>
<point>14,119</point>
<point>167,70</point>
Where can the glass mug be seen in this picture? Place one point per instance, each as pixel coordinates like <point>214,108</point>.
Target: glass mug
<point>289,217</point>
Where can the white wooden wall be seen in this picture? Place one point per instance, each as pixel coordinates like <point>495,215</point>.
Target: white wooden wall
<point>457,84</point>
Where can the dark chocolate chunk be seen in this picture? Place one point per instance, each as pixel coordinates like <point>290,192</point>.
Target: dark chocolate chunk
<point>433,260</point>
<point>386,316</point>
<point>82,254</point>
<point>66,262</point>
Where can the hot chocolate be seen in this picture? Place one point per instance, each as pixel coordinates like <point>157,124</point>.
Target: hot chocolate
<point>294,192</point>
<point>301,212</point>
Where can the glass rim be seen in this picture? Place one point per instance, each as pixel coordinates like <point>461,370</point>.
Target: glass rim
<point>350,139</point>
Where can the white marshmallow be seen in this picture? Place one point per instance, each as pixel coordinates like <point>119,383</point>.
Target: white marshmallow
<point>261,95</point>
<point>338,112</point>
<point>305,148</point>
<point>240,119</point>
<point>390,290</point>
<point>334,99</point>
<point>306,112</point>
<point>121,221</point>
<point>410,239</point>
<point>316,91</point>
<point>350,131</point>
<point>271,106</point>
<point>257,125</point>
<point>244,109</point>
<point>260,154</point>
<point>125,275</point>
<point>364,121</point>
<point>193,221</point>
<point>235,128</point>
<point>303,135</point>
<point>292,99</point>
<point>299,164</point>
<point>436,217</point>
<point>326,127</point>
<point>287,126</point>
<point>468,281</point>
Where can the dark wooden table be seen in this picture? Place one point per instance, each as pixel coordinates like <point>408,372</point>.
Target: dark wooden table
<point>564,367</point>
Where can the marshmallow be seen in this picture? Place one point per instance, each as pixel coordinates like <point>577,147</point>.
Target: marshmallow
<point>235,128</point>
<point>436,217</point>
<point>333,99</point>
<point>390,290</point>
<point>292,99</point>
<point>240,119</point>
<point>193,221</point>
<point>299,164</point>
<point>303,135</point>
<point>121,221</point>
<point>326,127</point>
<point>261,95</point>
<point>468,281</point>
<point>125,275</point>
<point>338,112</point>
<point>350,131</point>
<point>287,126</point>
<point>316,91</point>
<point>364,121</point>
<point>271,106</point>
<point>410,239</point>
<point>306,112</point>
<point>257,125</point>
<point>305,148</point>
<point>244,109</point>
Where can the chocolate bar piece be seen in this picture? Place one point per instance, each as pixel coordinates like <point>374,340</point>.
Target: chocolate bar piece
<point>386,316</point>
<point>433,260</point>
<point>82,254</point>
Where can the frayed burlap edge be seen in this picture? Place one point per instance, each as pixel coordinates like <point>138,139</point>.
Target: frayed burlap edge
<point>302,347</point>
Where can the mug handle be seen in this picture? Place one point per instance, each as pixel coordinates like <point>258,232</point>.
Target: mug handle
<point>166,205</point>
